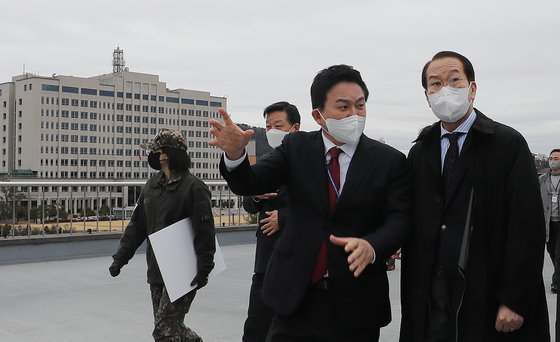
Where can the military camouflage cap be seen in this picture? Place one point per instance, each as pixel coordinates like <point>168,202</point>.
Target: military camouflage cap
<point>166,138</point>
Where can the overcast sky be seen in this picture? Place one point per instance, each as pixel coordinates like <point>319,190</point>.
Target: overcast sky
<point>259,52</point>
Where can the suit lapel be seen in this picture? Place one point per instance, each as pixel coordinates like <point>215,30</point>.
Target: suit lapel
<point>433,158</point>
<point>359,170</point>
<point>316,165</point>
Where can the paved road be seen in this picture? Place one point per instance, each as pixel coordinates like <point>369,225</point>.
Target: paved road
<point>77,300</point>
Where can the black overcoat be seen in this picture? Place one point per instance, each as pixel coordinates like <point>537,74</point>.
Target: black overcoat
<point>506,243</point>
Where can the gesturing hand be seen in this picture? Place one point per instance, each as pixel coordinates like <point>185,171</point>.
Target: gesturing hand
<point>270,225</point>
<point>361,252</point>
<point>229,137</point>
<point>268,195</point>
<point>397,254</point>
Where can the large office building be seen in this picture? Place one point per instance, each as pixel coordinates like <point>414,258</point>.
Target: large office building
<point>76,128</point>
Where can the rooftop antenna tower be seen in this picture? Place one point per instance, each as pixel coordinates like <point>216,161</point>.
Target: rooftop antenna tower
<point>118,60</point>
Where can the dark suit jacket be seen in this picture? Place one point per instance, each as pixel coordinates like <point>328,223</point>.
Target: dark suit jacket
<point>265,243</point>
<point>374,205</point>
<point>506,248</point>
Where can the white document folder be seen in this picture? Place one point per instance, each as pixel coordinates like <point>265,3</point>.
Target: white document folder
<point>173,247</point>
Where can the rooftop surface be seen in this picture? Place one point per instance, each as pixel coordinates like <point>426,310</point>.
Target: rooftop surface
<point>77,300</point>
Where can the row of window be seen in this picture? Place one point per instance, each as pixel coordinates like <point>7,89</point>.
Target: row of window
<point>93,174</point>
<point>111,152</point>
<point>91,188</point>
<point>111,163</point>
<point>93,162</point>
<point>113,175</point>
<point>93,139</point>
<point>119,129</point>
<point>137,96</point>
<point>68,188</point>
<point>109,175</point>
<point>111,117</point>
<point>86,150</point>
<point>144,109</point>
<point>119,117</point>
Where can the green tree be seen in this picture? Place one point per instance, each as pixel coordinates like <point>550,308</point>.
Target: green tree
<point>35,214</point>
<point>21,212</point>
<point>5,210</point>
<point>7,195</point>
<point>50,211</point>
<point>63,214</point>
<point>6,230</point>
<point>228,204</point>
<point>105,210</point>
<point>90,212</point>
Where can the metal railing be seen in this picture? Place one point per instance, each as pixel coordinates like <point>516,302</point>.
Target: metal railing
<point>18,197</point>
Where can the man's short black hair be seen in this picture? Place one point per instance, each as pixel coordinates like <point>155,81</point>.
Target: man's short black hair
<point>467,66</point>
<point>331,76</point>
<point>178,160</point>
<point>555,150</point>
<point>292,112</point>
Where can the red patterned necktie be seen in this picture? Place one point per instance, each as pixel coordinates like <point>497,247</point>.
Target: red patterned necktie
<point>333,178</point>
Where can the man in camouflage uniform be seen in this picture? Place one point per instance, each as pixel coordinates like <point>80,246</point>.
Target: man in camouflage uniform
<point>170,196</point>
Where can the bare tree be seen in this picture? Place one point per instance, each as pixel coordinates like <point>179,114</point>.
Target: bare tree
<point>541,161</point>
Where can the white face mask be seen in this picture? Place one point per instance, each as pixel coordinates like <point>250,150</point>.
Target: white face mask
<point>450,104</point>
<point>275,136</point>
<point>554,164</point>
<point>347,130</point>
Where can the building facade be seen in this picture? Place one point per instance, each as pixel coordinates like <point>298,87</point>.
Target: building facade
<point>65,127</point>
<point>68,127</point>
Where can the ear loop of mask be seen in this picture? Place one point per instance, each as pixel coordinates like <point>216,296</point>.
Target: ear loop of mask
<point>325,120</point>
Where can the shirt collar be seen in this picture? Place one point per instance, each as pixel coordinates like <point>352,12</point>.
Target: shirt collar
<point>349,149</point>
<point>463,128</point>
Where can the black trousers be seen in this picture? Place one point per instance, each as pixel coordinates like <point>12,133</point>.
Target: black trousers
<point>553,249</point>
<point>440,324</point>
<point>259,316</point>
<point>315,321</point>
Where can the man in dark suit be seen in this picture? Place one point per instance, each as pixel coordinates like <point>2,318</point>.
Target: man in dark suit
<point>282,118</point>
<point>348,203</point>
<point>472,269</point>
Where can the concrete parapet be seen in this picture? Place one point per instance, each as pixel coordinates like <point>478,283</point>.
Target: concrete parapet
<point>19,250</point>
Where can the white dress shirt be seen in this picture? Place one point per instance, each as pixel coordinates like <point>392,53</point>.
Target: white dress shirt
<point>344,159</point>
<point>463,128</point>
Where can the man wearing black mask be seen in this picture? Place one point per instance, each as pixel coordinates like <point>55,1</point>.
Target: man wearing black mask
<point>168,197</point>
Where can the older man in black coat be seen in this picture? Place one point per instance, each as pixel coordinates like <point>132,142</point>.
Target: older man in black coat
<point>472,270</point>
